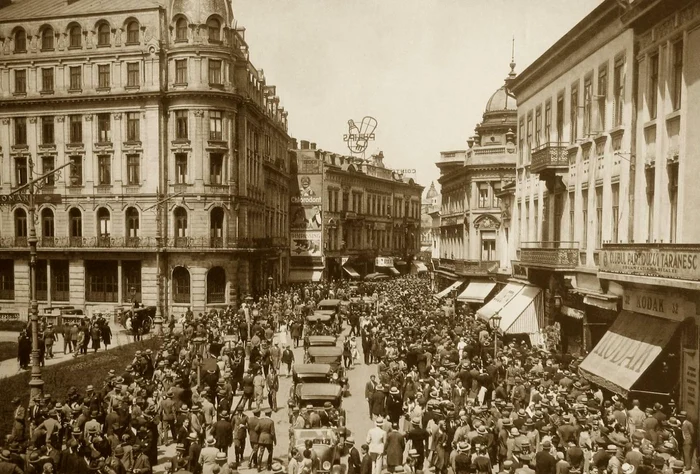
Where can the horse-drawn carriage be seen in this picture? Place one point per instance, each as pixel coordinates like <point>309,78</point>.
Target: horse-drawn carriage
<point>138,320</point>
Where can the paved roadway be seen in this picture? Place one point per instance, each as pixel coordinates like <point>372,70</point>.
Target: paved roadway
<point>358,420</point>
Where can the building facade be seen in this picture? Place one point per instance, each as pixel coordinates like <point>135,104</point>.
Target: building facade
<point>603,192</point>
<point>176,151</point>
<point>473,240</point>
<point>429,234</point>
<point>351,217</point>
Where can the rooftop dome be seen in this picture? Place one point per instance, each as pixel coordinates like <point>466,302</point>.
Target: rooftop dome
<point>501,100</point>
<point>199,11</point>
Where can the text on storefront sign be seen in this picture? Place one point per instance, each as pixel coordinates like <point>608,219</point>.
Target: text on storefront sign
<point>680,264</point>
<point>656,304</point>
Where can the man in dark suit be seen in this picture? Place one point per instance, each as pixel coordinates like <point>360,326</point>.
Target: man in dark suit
<point>378,401</point>
<point>366,463</point>
<point>545,463</point>
<point>222,430</point>
<point>253,437</point>
<point>369,391</point>
<point>266,439</point>
<point>354,460</point>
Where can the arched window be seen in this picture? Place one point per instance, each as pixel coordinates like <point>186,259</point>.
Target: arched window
<point>181,30</point>
<point>181,285</point>
<point>132,32</point>
<point>75,36</point>
<point>103,35</point>
<point>20,41</point>
<point>75,225</point>
<point>47,39</point>
<point>104,225</point>
<point>216,285</point>
<point>216,228</point>
<point>132,223</point>
<point>21,226</point>
<point>214,30</point>
<point>180,216</point>
<point>47,223</point>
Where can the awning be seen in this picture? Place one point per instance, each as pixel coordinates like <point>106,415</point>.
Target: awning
<point>351,271</point>
<point>305,275</point>
<point>520,307</point>
<point>627,350</point>
<point>420,267</point>
<point>393,271</point>
<point>476,292</point>
<point>494,306</point>
<point>446,274</point>
<point>572,312</point>
<point>400,263</point>
<point>603,303</point>
<point>450,288</point>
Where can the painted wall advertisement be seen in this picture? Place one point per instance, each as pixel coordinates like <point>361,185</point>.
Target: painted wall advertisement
<point>306,211</point>
<point>666,263</point>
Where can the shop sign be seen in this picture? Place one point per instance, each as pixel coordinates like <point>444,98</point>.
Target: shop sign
<point>449,221</point>
<point>9,316</point>
<point>384,262</point>
<point>656,262</point>
<point>658,304</point>
<point>519,271</point>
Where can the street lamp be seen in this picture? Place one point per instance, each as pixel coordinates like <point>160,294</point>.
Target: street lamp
<point>495,323</point>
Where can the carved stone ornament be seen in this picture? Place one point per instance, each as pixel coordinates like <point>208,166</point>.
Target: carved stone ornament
<point>117,116</point>
<point>60,118</point>
<point>6,121</point>
<point>32,119</point>
<point>487,223</point>
<point>199,113</point>
<point>88,118</point>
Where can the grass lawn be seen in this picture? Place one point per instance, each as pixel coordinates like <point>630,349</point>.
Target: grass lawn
<point>8,350</point>
<point>86,370</point>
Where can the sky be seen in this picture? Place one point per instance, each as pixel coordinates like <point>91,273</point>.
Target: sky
<point>424,69</point>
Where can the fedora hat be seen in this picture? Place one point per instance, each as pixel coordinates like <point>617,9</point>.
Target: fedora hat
<point>277,468</point>
<point>412,453</point>
<point>192,436</point>
<point>379,421</point>
<point>394,391</point>
<point>211,441</point>
<point>221,456</point>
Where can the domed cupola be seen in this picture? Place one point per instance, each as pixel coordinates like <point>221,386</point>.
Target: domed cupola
<point>199,12</point>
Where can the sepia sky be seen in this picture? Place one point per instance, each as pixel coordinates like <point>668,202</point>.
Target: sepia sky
<point>423,68</point>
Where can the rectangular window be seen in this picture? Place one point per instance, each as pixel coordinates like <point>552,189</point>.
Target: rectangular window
<point>602,98</point>
<point>76,129</point>
<point>103,79</point>
<point>560,119</point>
<point>618,91</point>
<point>599,217</point>
<point>21,131</point>
<point>21,171</point>
<point>133,127</point>
<point>131,274</point>
<point>104,168</point>
<point>650,175</point>
<point>181,168</point>
<point>521,140</point>
<point>181,71</point>
<point>76,78</point>
<point>47,135</point>
<point>653,91</point>
<point>536,213</point>
<point>47,165</point>
<point>181,125</point>
<point>216,166</point>
<point>488,246</point>
<point>573,114</point>
<point>42,281</point>
<point>615,212</point>
<point>47,40</point>
<point>215,72</point>
<point>584,214</point>
<point>677,78</point>
<point>216,125</point>
<point>47,79</point>
<point>60,280</point>
<point>133,169</point>
<point>529,138</point>
<point>548,121</point>
<point>673,199</point>
<point>104,128</point>
<point>587,106</point>
<point>538,126</point>
<point>132,75</point>
<point>483,195</point>
<point>7,279</point>
<point>76,170</point>
<point>20,81</point>
<point>101,280</point>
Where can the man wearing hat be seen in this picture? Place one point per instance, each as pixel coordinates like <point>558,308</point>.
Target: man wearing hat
<point>141,463</point>
<point>223,432</point>
<point>354,461</point>
<point>19,420</point>
<point>207,457</point>
<point>376,439</point>
<point>267,439</point>
<point>462,462</point>
<point>253,437</point>
<point>688,438</point>
<point>418,437</point>
<point>222,463</point>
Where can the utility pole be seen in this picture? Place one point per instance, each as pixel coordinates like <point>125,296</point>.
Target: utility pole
<point>36,384</point>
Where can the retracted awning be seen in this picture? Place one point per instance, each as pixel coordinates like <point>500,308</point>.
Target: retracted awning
<point>351,271</point>
<point>494,306</point>
<point>420,267</point>
<point>627,350</point>
<point>450,288</point>
<point>446,274</point>
<point>520,314</point>
<point>476,292</point>
<point>305,275</point>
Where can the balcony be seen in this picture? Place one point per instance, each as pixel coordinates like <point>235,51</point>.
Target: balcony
<point>349,215</point>
<point>549,158</point>
<point>447,264</point>
<point>550,255</point>
<point>131,243</point>
<point>476,267</point>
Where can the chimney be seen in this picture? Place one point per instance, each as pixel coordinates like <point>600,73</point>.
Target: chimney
<point>312,146</point>
<point>304,145</point>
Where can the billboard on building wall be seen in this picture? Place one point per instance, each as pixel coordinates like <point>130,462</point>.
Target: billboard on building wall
<point>306,243</point>
<point>306,218</point>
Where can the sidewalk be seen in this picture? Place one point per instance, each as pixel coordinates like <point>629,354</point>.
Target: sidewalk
<point>10,367</point>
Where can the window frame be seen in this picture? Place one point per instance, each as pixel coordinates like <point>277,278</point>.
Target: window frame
<point>181,125</point>
<point>618,91</point>
<point>75,131</point>
<point>72,44</point>
<point>133,127</point>
<point>181,164</point>
<point>104,76</point>
<point>130,40</point>
<point>104,170</point>
<point>104,127</point>
<point>602,97</point>
<point>214,33</point>
<point>76,170</point>
<point>48,39</point>
<point>181,27</point>
<point>20,79</point>
<point>48,136</point>
<point>133,169</point>
<point>104,38</point>
<point>180,72</point>
<point>216,125</point>
<point>573,113</point>
<point>215,73</point>
<point>133,74</point>
<point>677,57</point>
<point>48,82</point>
<point>76,79</point>
<point>48,163</point>
<point>20,131</point>
<point>20,41</point>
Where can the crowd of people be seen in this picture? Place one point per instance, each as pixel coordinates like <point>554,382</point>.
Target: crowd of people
<point>441,400</point>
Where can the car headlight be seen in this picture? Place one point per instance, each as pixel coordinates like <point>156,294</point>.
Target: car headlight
<point>326,465</point>
<point>335,376</point>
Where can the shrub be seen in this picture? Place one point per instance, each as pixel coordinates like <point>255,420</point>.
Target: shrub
<point>87,370</point>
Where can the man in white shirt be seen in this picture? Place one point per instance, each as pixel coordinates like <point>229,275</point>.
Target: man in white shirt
<point>376,439</point>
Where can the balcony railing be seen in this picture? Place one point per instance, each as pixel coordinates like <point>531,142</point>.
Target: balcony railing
<point>550,254</point>
<point>549,157</point>
<point>473,267</point>
<point>447,264</point>
<point>135,243</point>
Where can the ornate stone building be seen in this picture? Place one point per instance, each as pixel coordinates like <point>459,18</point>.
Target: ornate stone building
<point>429,235</point>
<point>177,188</point>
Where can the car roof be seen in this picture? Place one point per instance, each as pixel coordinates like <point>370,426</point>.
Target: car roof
<point>306,433</point>
<point>325,351</point>
<point>319,316</point>
<point>309,369</point>
<point>320,339</point>
<point>318,391</point>
<point>328,303</point>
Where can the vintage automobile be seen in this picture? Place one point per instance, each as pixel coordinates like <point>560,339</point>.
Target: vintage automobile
<point>315,396</point>
<point>138,319</point>
<point>311,373</point>
<point>321,340</point>
<point>327,445</point>
<point>332,355</point>
<point>323,322</point>
<point>329,305</point>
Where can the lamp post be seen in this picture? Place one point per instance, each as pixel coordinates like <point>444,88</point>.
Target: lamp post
<point>495,322</point>
<point>36,384</point>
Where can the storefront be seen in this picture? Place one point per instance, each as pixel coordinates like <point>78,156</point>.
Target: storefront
<point>518,308</point>
<point>476,294</point>
<point>385,265</point>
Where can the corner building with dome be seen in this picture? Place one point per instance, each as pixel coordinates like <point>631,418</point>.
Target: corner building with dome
<point>474,231</point>
<point>176,190</point>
